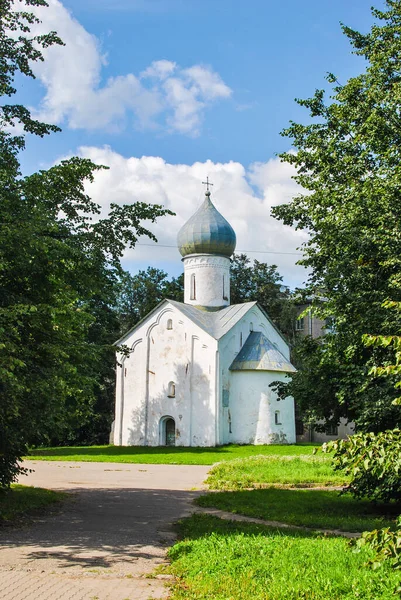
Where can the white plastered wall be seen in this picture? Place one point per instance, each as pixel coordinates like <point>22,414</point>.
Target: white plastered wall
<point>184,355</point>
<point>248,405</point>
<point>211,275</point>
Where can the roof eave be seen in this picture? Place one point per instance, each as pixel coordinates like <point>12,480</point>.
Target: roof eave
<point>120,340</point>
<point>262,369</point>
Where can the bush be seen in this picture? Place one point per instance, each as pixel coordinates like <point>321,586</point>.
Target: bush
<point>373,461</point>
<point>385,543</point>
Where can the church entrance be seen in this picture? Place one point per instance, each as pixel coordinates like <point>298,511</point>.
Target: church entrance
<point>167,431</point>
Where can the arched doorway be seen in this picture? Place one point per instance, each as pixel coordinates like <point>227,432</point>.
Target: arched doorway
<point>167,431</point>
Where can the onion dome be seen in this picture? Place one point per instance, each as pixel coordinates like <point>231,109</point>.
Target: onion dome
<point>206,232</point>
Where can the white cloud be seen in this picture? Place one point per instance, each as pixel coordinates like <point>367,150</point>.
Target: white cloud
<point>160,69</point>
<point>178,187</point>
<point>207,82</point>
<point>163,95</point>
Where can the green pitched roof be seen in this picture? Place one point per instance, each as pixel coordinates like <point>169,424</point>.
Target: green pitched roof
<point>259,354</point>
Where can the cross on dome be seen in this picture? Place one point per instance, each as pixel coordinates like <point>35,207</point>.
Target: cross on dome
<point>207,183</point>
<point>207,231</point>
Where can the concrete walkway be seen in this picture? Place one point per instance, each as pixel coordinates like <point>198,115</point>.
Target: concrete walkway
<point>106,540</point>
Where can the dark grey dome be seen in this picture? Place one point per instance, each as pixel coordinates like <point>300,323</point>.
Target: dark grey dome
<point>206,232</point>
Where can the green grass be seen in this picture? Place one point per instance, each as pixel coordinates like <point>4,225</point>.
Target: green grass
<point>297,470</point>
<point>164,455</point>
<point>309,508</point>
<point>222,560</point>
<point>21,501</point>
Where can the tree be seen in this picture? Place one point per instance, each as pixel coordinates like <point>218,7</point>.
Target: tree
<point>58,271</point>
<point>347,160</point>
<point>141,293</point>
<point>262,282</point>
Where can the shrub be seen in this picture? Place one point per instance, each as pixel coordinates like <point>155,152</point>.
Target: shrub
<point>373,461</point>
<point>385,543</point>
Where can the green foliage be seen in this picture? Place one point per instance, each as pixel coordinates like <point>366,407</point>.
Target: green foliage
<point>347,160</point>
<point>19,49</point>
<point>385,543</point>
<point>372,461</point>
<point>139,294</point>
<point>218,560</point>
<point>262,282</point>
<point>315,384</point>
<point>58,274</point>
<point>392,370</point>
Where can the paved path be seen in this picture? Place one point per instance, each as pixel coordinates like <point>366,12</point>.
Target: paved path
<point>107,538</point>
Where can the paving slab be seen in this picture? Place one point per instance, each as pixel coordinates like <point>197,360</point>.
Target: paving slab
<point>106,540</point>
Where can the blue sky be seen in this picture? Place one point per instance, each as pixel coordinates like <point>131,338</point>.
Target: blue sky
<point>167,92</point>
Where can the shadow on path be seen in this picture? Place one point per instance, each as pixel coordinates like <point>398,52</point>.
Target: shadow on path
<point>100,528</point>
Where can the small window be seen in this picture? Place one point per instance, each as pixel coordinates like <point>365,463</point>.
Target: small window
<point>170,324</point>
<point>277,417</point>
<point>329,325</point>
<point>193,287</point>
<point>171,389</point>
<point>240,340</point>
<point>250,327</point>
<point>332,429</point>
<point>300,324</point>
<point>225,297</point>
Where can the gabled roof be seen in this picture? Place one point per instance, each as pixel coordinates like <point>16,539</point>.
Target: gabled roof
<point>259,354</point>
<point>218,322</point>
<point>215,322</point>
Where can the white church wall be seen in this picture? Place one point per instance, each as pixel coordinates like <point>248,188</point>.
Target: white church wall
<point>175,355</point>
<point>207,280</point>
<point>256,415</point>
<point>247,404</point>
<point>131,426</point>
<point>203,396</point>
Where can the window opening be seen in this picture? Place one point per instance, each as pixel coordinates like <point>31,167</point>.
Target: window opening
<point>240,340</point>
<point>171,389</point>
<point>170,324</point>
<point>329,325</point>
<point>332,429</point>
<point>277,417</point>
<point>250,326</point>
<point>193,287</point>
<point>225,297</point>
<point>300,324</point>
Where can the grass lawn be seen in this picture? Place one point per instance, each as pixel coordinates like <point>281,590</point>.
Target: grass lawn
<point>164,455</point>
<point>21,501</point>
<point>301,469</point>
<point>222,560</point>
<point>309,508</point>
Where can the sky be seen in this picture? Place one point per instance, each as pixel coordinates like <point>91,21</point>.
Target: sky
<point>169,92</point>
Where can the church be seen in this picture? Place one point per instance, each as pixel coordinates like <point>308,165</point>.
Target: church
<point>198,372</point>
